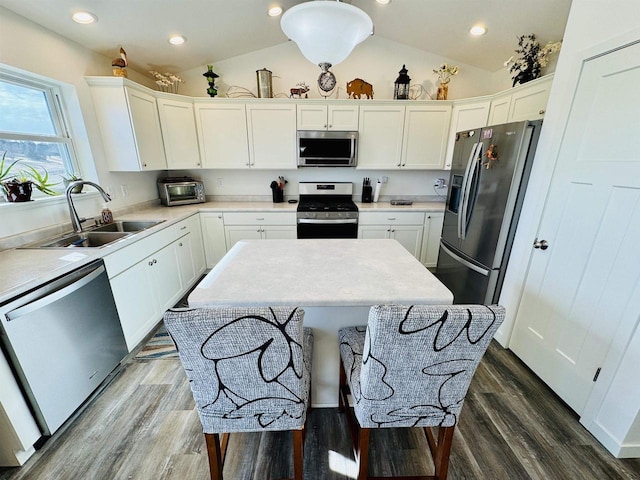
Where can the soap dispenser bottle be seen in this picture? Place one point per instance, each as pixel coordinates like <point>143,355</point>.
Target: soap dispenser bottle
<point>107,216</point>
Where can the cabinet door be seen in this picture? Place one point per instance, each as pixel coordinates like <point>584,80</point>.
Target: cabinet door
<point>279,232</point>
<point>431,239</point>
<point>179,133</point>
<point>499,112</point>
<point>312,117</point>
<point>235,233</point>
<point>380,138</point>
<point>136,301</point>
<point>530,102</point>
<point>425,136</point>
<point>272,136</point>
<point>409,236</point>
<point>342,118</point>
<point>146,126</point>
<point>213,234</point>
<point>184,257</point>
<point>373,231</point>
<point>465,117</point>
<point>222,135</point>
<point>167,283</point>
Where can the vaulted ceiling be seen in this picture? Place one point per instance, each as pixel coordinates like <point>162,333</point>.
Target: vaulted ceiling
<point>218,29</point>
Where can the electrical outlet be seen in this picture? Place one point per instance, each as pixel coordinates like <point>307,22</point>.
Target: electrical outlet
<point>385,179</point>
<point>125,190</point>
<point>219,182</point>
<point>111,191</point>
<point>440,183</point>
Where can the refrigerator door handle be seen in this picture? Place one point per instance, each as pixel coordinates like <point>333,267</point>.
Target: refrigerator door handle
<point>469,173</point>
<point>475,268</point>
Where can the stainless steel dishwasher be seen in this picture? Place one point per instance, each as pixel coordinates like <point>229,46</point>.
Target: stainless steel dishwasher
<point>62,340</point>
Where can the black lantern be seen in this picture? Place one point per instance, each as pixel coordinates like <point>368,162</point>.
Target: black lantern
<point>211,78</point>
<point>401,90</point>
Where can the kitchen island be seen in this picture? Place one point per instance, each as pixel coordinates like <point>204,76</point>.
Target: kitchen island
<point>335,281</point>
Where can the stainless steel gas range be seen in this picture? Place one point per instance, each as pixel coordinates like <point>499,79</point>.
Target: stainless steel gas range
<point>326,210</point>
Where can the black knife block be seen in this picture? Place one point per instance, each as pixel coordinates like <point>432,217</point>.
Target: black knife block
<point>367,193</point>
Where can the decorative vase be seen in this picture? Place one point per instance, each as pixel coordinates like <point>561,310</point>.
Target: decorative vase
<point>18,191</point>
<point>443,91</point>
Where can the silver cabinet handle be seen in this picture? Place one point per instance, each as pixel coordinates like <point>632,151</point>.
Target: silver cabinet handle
<point>541,244</point>
<point>260,219</point>
<point>151,263</point>
<point>391,218</point>
<point>182,228</point>
<point>541,112</point>
<point>180,244</point>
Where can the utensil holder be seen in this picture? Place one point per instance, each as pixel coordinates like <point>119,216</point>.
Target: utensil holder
<point>278,195</point>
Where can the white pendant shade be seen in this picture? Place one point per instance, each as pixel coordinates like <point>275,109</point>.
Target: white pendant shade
<point>326,31</point>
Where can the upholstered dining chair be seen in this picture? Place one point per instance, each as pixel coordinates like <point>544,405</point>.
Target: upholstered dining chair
<point>249,370</point>
<point>411,366</point>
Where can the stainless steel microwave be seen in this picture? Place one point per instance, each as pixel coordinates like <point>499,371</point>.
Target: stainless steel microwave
<point>180,191</point>
<point>319,148</point>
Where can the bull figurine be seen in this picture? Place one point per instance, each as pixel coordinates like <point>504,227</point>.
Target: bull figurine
<point>359,87</point>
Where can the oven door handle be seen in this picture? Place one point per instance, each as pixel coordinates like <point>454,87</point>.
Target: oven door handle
<point>327,222</point>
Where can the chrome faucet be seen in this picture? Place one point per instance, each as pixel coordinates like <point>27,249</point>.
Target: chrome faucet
<point>76,221</point>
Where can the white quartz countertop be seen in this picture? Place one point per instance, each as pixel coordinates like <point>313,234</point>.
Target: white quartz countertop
<point>327,272</point>
<point>23,270</point>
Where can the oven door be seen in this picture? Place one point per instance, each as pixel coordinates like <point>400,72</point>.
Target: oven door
<point>340,228</point>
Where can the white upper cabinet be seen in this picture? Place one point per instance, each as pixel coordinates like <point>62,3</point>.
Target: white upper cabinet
<point>272,135</point>
<point>338,117</point>
<point>380,136</point>
<point>425,136</point>
<point>129,123</point>
<point>524,102</point>
<point>179,133</point>
<point>222,133</point>
<point>465,116</point>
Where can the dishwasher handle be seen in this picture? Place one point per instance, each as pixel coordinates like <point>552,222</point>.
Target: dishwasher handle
<point>56,294</point>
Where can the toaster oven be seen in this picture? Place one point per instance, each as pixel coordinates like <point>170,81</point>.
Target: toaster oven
<point>180,191</point>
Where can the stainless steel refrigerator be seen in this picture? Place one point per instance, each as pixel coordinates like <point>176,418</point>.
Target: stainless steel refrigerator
<point>489,174</point>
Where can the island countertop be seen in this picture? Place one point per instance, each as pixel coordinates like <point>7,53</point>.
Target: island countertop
<point>319,273</point>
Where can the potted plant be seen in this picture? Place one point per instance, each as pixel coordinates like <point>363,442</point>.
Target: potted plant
<point>18,186</point>
<point>72,177</point>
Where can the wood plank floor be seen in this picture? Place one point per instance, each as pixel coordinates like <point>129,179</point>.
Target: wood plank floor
<point>144,426</point>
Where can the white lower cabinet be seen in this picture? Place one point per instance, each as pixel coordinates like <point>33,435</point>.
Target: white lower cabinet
<point>144,285</point>
<point>259,226</point>
<point>431,240</point>
<point>405,227</point>
<point>215,244</point>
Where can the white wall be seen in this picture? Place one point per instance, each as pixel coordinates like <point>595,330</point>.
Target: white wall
<point>591,24</point>
<point>31,48</point>
<point>376,61</point>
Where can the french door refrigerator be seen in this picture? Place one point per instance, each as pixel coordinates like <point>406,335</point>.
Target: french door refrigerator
<point>489,174</point>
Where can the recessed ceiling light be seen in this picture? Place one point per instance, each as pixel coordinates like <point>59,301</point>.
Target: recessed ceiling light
<point>177,39</point>
<point>383,2</point>
<point>477,30</point>
<point>274,11</point>
<point>84,18</point>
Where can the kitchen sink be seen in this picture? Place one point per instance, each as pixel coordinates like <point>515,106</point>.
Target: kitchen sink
<point>126,226</point>
<point>76,240</point>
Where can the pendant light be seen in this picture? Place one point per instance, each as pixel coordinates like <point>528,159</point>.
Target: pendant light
<point>326,32</point>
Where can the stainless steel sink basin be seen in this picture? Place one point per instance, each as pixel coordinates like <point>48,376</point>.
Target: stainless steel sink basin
<point>126,226</point>
<point>79,240</point>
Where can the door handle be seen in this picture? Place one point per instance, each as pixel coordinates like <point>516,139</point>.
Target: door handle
<point>541,244</point>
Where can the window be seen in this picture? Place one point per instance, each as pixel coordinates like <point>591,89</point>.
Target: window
<point>33,129</point>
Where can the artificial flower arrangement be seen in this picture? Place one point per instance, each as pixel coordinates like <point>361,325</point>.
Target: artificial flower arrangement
<point>167,82</point>
<point>532,57</point>
<point>445,72</point>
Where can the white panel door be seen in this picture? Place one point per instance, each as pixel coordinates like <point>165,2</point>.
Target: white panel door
<point>579,290</point>
<point>222,135</point>
<point>380,137</point>
<point>179,133</point>
<point>425,136</point>
<point>499,112</point>
<point>146,126</point>
<point>272,136</point>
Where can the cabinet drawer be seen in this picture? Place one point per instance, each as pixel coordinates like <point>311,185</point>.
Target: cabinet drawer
<point>391,218</point>
<point>259,218</point>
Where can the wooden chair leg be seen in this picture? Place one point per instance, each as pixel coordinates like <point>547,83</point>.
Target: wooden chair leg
<point>298,454</point>
<point>341,386</point>
<point>440,450</point>
<point>363,453</point>
<point>215,456</point>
